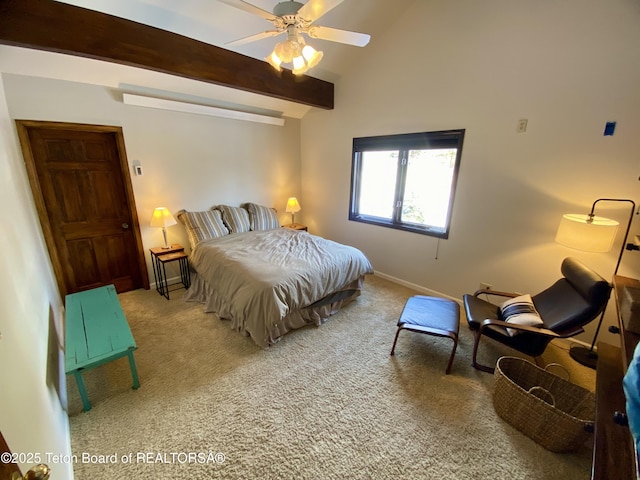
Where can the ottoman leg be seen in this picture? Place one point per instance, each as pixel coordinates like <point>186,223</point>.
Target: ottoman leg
<point>395,340</point>
<point>453,352</point>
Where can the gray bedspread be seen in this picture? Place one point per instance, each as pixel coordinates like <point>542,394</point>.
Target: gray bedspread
<point>261,281</point>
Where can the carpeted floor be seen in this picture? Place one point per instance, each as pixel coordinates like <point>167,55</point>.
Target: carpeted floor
<point>324,403</point>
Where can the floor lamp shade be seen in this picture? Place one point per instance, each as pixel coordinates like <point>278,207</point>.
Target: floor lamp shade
<point>592,234</point>
<point>582,232</point>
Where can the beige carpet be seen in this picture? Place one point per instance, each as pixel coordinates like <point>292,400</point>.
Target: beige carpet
<point>324,403</point>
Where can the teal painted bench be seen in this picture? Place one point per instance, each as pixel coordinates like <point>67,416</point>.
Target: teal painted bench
<point>97,332</point>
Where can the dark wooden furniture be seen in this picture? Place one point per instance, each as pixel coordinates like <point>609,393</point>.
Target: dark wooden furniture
<point>614,454</point>
<point>433,316</point>
<point>160,256</point>
<point>296,226</point>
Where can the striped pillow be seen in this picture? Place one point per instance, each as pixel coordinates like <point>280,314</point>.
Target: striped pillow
<point>235,218</point>
<point>521,311</point>
<point>262,218</point>
<point>203,225</point>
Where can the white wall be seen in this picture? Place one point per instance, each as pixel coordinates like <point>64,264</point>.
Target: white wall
<point>32,418</point>
<point>189,161</point>
<point>568,67</point>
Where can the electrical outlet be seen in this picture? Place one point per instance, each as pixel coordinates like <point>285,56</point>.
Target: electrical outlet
<point>485,286</point>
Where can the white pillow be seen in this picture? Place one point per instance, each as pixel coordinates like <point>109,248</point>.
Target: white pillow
<point>520,311</point>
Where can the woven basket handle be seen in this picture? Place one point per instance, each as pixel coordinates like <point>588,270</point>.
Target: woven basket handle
<point>562,367</point>
<point>545,392</point>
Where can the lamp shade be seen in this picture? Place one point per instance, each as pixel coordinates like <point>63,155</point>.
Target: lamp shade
<point>274,61</point>
<point>579,232</point>
<point>294,51</point>
<point>162,218</point>
<point>311,56</point>
<point>292,205</point>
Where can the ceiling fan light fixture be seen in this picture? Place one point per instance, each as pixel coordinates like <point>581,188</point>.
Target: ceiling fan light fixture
<point>299,65</point>
<point>286,51</point>
<point>296,52</point>
<point>274,61</point>
<point>295,18</point>
<point>311,56</point>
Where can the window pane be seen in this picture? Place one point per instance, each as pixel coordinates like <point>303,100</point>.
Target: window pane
<point>417,169</point>
<point>428,186</point>
<point>378,183</point>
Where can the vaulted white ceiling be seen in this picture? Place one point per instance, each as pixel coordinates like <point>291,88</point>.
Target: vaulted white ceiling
<point>215,23</point>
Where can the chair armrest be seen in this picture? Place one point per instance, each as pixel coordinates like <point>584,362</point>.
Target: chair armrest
<point>570,333</point>
<point>523,328</point>
<point>488,291</point>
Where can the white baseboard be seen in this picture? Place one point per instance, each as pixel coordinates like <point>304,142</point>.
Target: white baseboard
<point>170,281</point>
<point>414,286</point>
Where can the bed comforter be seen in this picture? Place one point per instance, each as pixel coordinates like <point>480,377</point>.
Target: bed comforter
<point>270,282</point>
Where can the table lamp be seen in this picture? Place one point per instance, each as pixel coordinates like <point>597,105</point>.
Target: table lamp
<point>162,218</point>
<point>292,207</point>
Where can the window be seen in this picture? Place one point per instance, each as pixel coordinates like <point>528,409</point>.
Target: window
<point>406,181</point>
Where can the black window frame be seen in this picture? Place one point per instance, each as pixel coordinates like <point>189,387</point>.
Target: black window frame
<point>403,143</point>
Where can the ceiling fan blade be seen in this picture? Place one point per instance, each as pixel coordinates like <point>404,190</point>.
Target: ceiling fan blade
<point>314,9</point>
<point>253,38</point>
<point>337,35</point>
<point>247,7</point>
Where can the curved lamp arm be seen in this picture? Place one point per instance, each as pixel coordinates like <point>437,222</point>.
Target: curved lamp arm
<point>626,234</point>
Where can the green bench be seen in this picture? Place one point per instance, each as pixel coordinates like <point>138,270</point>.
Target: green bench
<point>97,332</point>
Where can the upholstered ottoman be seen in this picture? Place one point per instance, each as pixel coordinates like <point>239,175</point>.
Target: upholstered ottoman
<point>431,315</point>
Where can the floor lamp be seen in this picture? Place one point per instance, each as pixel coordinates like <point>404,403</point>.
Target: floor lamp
<point>592,234</point>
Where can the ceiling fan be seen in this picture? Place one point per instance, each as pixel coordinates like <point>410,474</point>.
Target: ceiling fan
<point>294,19</point>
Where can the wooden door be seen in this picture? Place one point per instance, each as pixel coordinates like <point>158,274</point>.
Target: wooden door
<point>9,470</point>
<point>80,180</point>
<point>7,466</point>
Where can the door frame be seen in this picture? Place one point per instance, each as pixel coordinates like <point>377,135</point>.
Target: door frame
<point>23,127</point>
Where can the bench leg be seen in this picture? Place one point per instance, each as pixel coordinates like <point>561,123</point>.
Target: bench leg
<point>86,405</point>
<point>134,370</point>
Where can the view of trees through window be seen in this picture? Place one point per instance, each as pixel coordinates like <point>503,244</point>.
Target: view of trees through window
<point>409,186</point>
<point>428,185</point>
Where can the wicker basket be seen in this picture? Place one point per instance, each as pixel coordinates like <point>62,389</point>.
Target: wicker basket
<point>550,410</point>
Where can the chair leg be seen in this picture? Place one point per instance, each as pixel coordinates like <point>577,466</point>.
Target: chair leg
<point>395,340</point>
<point>476,365</point>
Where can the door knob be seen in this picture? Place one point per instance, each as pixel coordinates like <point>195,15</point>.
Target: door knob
<point>125,225</point>
<point>39,472</point>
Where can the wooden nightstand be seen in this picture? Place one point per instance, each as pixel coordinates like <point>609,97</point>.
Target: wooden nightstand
<point>296,226</point>
<point>160,256</point>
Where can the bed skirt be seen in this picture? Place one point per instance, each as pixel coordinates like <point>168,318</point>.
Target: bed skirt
<point>315,314</point>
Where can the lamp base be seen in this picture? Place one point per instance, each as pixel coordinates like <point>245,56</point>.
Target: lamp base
<point>584,356</point>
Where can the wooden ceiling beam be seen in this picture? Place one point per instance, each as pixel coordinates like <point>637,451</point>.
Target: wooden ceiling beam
<point>62,28</point>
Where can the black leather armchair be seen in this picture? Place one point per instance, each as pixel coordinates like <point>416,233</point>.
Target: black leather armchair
<point>565,307</point>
